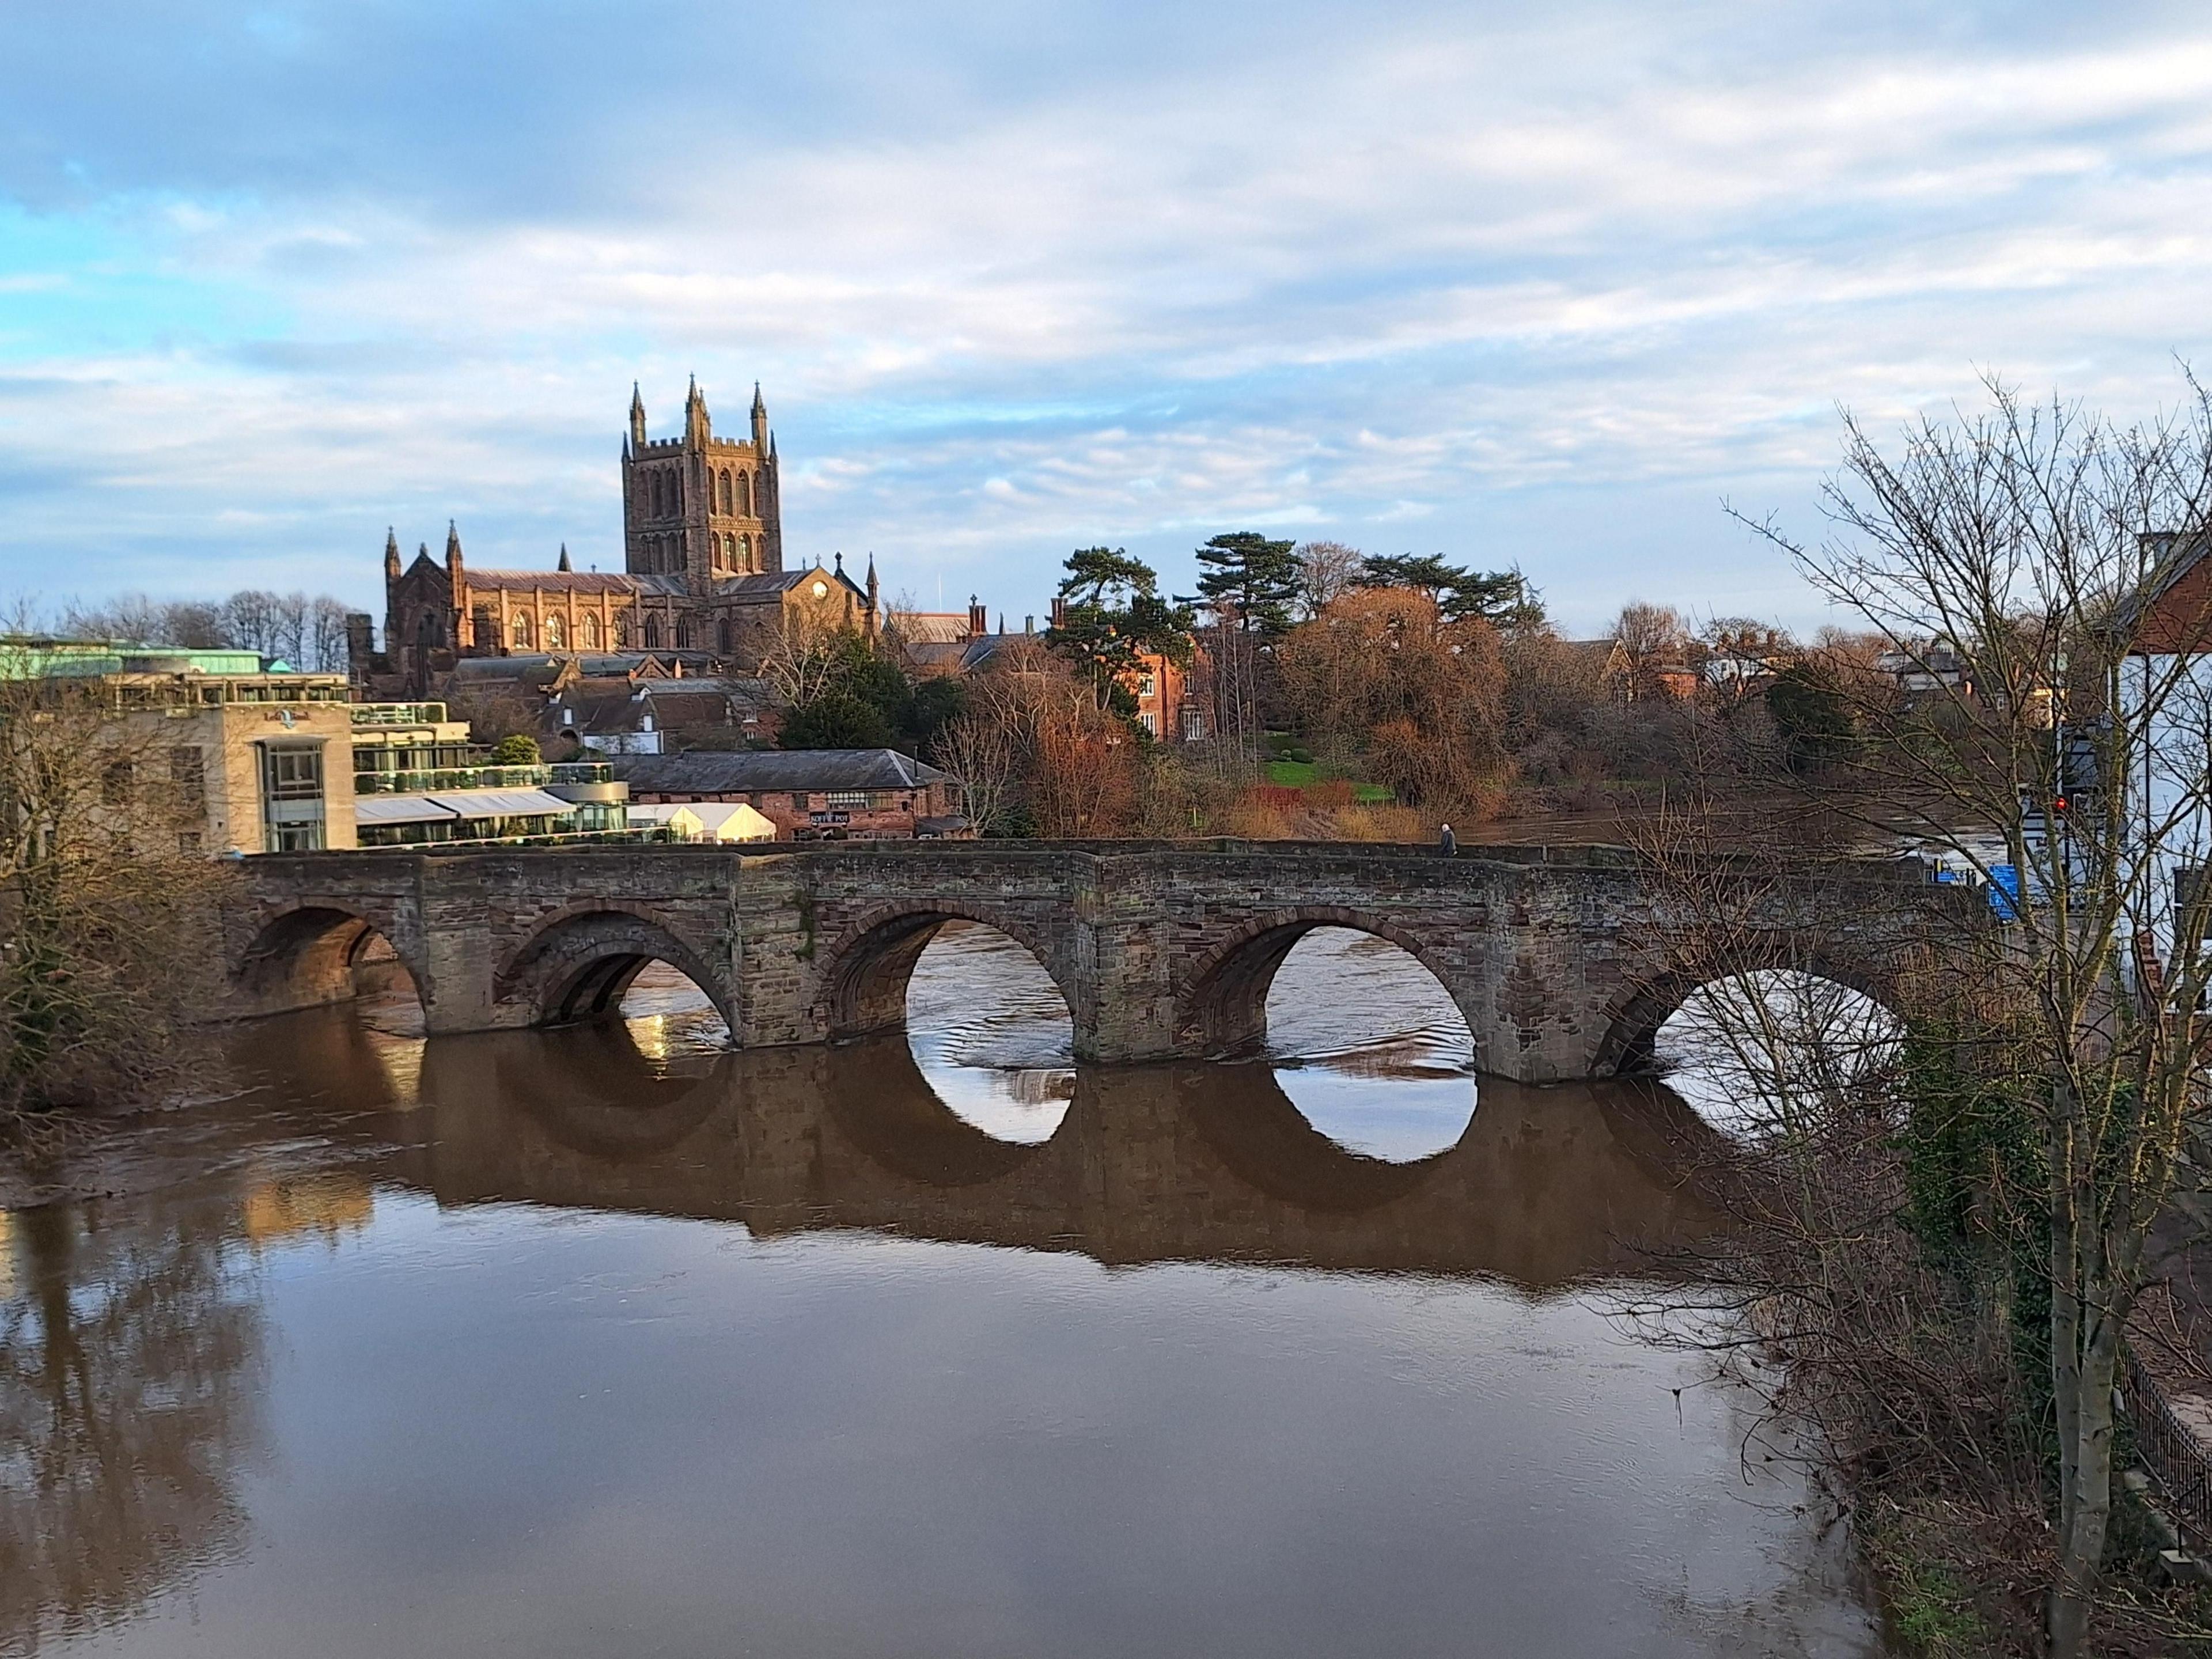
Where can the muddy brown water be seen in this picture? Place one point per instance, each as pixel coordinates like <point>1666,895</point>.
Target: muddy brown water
<point>607,1340</point>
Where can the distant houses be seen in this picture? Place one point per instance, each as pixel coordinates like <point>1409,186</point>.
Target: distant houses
<point>807,794</point>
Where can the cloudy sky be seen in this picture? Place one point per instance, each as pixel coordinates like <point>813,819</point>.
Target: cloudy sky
<point>1539,284</point>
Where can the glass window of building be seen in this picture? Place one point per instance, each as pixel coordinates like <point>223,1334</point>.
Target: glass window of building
<point>292,797</point>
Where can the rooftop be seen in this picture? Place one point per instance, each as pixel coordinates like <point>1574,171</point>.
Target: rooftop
<point>704,772</point>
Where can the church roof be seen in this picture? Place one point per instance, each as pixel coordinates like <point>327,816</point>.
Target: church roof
<point>556,581</point>
<point>768,586</point>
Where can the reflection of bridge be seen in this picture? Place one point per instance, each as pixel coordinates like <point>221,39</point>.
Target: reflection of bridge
<point>1560,957</point>
<point>1158,1164</point>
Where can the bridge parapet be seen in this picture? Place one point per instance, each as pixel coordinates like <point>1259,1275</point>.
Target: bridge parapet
<point>1559,956</point>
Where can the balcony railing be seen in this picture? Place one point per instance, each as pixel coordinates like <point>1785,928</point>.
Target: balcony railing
<point>451,777</point>
<point>399,713</point>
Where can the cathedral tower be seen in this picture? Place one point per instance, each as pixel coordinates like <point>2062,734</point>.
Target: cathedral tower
<point>696,506</point>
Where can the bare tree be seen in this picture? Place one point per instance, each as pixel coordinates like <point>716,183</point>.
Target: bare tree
<point>2065,557</point>
<point>804,660</point>
<point>1330,570</point>
<point>107,925</point>
<point>250,620</point>
<point>326,652</point>
<point>980,751</point>
<point>1650,637</point>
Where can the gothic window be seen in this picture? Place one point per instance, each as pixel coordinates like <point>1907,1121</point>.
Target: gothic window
<point>674,493</point>
<point>484,626</point>
<point>684,635</point>
<point>555,634</point>
<point>744,496</point>
<point>722,637</point>
<point>660,495</point>
<point>746,552</point>
<point>517,629</point>
<point>652,633</point>
<point>622,630</point>
<point>587,632</point>
<point>726,497</point>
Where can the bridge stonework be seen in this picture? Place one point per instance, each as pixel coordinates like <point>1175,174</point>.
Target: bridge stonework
<point>1560,957</point>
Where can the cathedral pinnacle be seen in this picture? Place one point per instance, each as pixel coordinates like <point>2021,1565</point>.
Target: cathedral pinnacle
<point>564,564</point>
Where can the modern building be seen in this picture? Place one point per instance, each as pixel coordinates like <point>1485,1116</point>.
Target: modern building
<point>702,569</point>
<point>246,756</point>
<point>420,780</point>
<point>808,795</point>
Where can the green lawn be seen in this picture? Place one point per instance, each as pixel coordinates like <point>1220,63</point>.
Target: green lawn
<point>1297,775</point>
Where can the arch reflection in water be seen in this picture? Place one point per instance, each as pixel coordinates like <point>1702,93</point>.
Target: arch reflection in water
<point>1174,1163</point>
<point>991,1033</point>
<point>1370,1047</point>
<point>1746,1051</point>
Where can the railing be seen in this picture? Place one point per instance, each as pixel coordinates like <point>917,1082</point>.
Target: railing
<point>2172,1452</point>
<point>399,713</point>
<point>581,772</point>
<point>563,838</point>
<point>451,777</point>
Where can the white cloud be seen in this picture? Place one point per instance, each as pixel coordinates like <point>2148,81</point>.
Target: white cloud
<point>1363,281</point>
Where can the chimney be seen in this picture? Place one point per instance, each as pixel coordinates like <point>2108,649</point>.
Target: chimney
<point>1029,624</point>
<point>979,621</point>
<point>361,643</point>
<point>1060,612</point>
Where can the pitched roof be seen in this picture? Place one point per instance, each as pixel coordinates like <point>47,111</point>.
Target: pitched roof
<point>768,585</point>
<point>554,581</point>
<point>933,627</point>
<point>705,772</point>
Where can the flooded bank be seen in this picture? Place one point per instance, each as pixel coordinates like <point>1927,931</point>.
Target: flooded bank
<point>607,1339</point>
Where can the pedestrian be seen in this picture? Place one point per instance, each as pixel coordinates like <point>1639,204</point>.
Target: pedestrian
<point>1447,843</point>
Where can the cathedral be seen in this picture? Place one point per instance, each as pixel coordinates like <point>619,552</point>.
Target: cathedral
<point>702,569</point>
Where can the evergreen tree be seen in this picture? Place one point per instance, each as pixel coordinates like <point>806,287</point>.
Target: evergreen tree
<point>1111,617</point>
<point>836,720</point>
<point>1502,598</point>
<point>1260,582</point>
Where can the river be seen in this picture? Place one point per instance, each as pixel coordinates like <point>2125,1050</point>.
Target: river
<point>608,1341</point>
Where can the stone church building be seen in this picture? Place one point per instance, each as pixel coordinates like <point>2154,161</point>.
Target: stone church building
<point>702,569</point>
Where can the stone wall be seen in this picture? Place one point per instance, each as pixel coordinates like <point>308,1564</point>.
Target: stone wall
<point>1564,960</point>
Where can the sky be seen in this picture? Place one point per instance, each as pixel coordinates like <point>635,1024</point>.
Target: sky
<point>1539,285</point>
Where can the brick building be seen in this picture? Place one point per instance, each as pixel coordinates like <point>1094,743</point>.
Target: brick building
<point>809,794</point>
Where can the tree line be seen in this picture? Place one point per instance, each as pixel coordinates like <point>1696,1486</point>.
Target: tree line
<point>307,631</point>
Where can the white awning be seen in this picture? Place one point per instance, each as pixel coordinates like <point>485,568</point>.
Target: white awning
<point>399,809</point>
<point>504,804</point>
<point>733,821</point>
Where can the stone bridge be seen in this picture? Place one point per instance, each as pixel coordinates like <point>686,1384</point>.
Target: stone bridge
<point>1564,959</point>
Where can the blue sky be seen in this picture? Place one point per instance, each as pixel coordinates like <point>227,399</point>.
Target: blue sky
<point>1539,284</point>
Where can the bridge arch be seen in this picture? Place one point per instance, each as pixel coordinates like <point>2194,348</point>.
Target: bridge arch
<point>865,972</point>
<point>1627,1045</point>
<point>310,953</point>
<point>1223,1005</point>
<point>580,961</point>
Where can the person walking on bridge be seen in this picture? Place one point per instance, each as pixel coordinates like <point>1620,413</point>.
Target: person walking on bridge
<point>1447,843</point>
